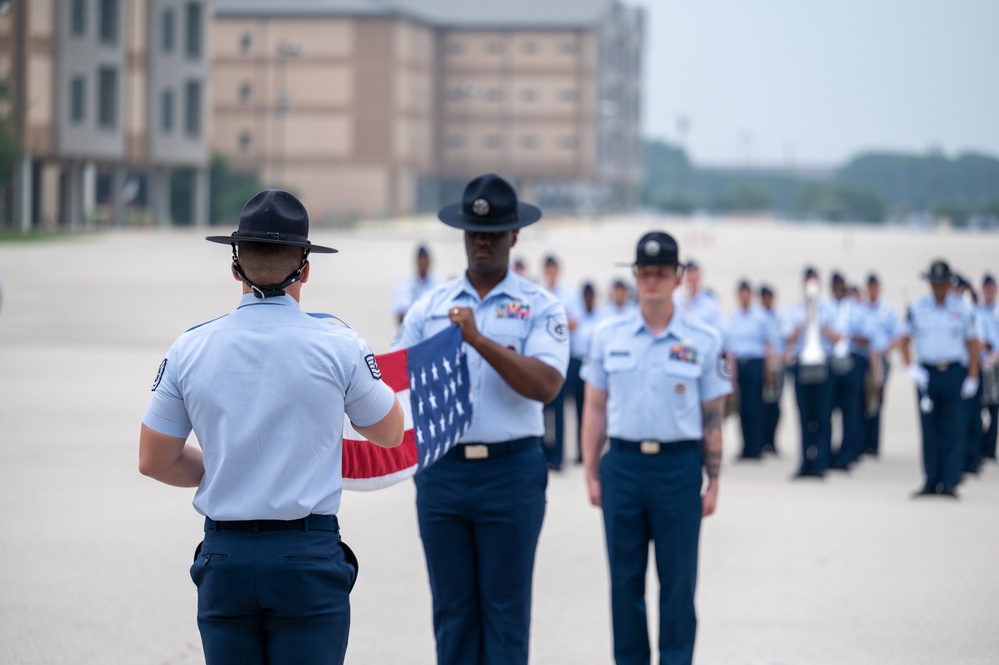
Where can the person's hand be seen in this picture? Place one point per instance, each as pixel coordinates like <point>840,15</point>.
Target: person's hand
<point>918,375</point>
<point>593,488</point>
<point>969,388</point>
<point>465,319</point>
<point>710,499</point>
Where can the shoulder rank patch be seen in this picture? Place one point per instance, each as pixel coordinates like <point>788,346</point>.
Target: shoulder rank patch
<point>558,330</point>
<point>159,375</point>
<point>376,372</point>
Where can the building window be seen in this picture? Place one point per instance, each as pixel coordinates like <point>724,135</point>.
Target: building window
<point>192,108</point>
<point>194,30</point>
<point>245,91</point>
<point>109,21</point>
<point>568,95</point>
<point>107,97</point>
<point>167,31</point>
<point>455,48</point>
<point>529,142</point>
<point>529,48</point>
<point>454,141</point>
<point>78,18</point>
<point>493,141</point>
<point>77,100</point>
<point>529,95</point>
<point>166,111</point>
<point>244,141</point>
<point>493,94</point>
<point>245,42</point>
<point>494,48</point>
<point>569,48</point>
<point>567,142</point>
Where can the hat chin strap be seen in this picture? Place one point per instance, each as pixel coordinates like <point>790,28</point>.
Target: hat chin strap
<point>272,290</point>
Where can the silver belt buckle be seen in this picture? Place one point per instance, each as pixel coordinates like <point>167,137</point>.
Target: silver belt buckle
<point>476,452</point>
<point>942,367</point>
<point>649,447</point>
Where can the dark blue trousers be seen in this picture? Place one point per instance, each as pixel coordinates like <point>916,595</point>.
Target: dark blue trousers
<point>554,440</point>
<point>848,397</point>
<point>751,412</point>
<point>576,388</point>
<point>872,421</point>
<point>944,427</point>
<point>273,597</point>
<point>973,432</point>
<point>652,498</point>
<point>989,434</point>
<point>480,521</point>
<point>814,412</point>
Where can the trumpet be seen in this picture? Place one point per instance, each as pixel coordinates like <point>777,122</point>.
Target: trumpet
<point>812,365</point>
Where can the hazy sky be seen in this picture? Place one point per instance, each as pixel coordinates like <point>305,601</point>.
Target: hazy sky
<point>813,82</point>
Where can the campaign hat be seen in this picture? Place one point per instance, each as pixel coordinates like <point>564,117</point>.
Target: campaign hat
<point>489,204</point>
<point>276,217</point>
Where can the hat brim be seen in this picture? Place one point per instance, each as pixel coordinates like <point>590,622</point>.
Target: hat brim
<point>678,264</point>
<point>937,280</point>
<point>452,216</point>
<point>228,240</point>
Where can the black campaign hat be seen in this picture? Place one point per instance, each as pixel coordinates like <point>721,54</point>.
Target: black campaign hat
<point>656,248</point>
<point>489,204</point>
<point>273,216</point>
<point>939,272</point>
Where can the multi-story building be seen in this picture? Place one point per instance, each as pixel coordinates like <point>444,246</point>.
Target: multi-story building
<point>384,107</point>
<point>109,98</point>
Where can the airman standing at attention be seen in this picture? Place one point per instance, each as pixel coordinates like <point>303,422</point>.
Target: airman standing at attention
<point>942,329</point>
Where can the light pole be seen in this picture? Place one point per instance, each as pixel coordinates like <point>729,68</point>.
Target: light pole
<point>282,105</point>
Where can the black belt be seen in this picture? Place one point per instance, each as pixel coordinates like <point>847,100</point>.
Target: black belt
<point>481,451</point>
<point>310,523</point>
<point>941,367</point>
<point>651,446</point>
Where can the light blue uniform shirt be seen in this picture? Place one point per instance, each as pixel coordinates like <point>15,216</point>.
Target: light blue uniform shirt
<point>774,331</point>
<point>703,305</point>
<point>265,389</point>
<point>747,332</point>
<point>796,315</point>
<point>579,340</point>
<point>940,332</point>
<point>517,314</point>
<point>656,384</point>
<point>887,325</point>
<point>990,327</point>
<point>409,290</point>
<point>851,319</point>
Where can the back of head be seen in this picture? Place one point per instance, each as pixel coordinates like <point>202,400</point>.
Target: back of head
<point>267,263</point>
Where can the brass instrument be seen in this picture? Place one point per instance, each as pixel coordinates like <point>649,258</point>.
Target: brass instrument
<point>812,366</point>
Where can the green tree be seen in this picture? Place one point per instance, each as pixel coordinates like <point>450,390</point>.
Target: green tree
<point>228,192</point>
<point>9,146</point>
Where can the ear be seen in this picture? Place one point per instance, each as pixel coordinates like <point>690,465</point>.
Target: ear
<point>513,237</point>
<point>235,275</point>
<point>305,273</point>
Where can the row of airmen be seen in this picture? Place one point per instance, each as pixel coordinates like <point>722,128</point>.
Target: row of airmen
<point>846,340</point>
<point>836,351</point>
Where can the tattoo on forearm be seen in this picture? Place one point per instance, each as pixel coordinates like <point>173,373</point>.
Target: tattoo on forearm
<point>711,424</point>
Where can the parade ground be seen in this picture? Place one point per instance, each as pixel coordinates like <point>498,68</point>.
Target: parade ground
<point>94,557</point>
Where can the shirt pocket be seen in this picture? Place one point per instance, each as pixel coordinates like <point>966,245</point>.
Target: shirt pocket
<point>681,388</point>
<point>511,333</point>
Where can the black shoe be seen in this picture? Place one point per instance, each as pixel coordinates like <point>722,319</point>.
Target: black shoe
<point>554,467</point>
<point>807,474</point>
<point>926,491</point>
<point>949,492</point>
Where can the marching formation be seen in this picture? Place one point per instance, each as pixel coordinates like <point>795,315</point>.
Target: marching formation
<point>268,389</point>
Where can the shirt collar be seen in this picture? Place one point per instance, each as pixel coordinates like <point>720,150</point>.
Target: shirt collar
<point>507,286</point>
<point>637,325</point>
<point>285,301</point>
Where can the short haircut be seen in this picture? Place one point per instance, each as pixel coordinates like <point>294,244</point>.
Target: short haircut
<point>266,263</point>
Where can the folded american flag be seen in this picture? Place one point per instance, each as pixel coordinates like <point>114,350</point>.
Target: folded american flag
<point>431,381</point>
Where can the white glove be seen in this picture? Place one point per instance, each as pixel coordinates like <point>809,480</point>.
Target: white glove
<point>970,387</point>
<point>919,376</point>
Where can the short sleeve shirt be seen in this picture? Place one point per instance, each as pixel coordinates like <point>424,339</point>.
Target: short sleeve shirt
<point>265,389</point>
<point>517,314</point>
<point>747,333</point>
<point>940,331</point>
<point>656,383</point>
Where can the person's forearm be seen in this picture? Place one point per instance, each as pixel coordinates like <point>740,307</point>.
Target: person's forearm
<point>185,470</point>
<point>974,347</point>
<point>592,439</point>
<point>712,426</point>
<point>527,376</point>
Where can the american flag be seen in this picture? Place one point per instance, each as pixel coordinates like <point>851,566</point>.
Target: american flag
<point>431,381</point>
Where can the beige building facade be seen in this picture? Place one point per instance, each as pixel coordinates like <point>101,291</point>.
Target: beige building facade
<point>108,99</point>
<point>377,108</point>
